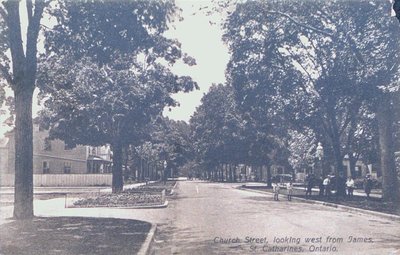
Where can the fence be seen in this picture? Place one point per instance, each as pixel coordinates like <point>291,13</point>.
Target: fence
<point>63,180</point>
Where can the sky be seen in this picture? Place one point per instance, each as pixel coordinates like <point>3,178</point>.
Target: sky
<point>201,39</point>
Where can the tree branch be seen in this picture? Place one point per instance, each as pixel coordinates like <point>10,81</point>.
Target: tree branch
<point>15,40</point>
<point>29,9</point>
<point>3,14</point>
<point>300,24</point>
<point>297,59</point>
<point>345,124</point>
<point>31,40</point>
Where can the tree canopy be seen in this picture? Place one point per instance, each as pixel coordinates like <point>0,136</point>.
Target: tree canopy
<point>105,75</point>
<point>322,65</point>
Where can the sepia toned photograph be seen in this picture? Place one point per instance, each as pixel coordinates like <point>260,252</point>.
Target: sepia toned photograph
<point>199,127</point>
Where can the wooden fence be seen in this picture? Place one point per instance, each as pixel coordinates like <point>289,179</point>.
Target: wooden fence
<point>63,180</point>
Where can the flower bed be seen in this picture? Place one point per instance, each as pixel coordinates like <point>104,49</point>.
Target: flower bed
<point>152,194</point>
<point>124,199</point>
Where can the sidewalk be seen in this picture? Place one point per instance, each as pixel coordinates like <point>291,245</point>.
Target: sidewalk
<point>56,208</point>
<point>375,193</point>
<point>351,208</point>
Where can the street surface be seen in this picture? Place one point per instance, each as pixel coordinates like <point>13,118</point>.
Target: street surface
<point>204,215</point>
<point>215,218</point>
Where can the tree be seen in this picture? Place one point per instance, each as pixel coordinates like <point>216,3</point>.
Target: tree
<point>177,145</point>
<point>173,142</point>
<point>115,83</point>
<point>22,81</point>
<point>302,146</point>
<point>307,62</point>
<point>218,132</point>
<point>98,106</point>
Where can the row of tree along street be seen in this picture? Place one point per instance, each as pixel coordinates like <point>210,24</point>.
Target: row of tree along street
<point>300,73</point>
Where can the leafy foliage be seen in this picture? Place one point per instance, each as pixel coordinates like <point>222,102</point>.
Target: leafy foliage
<point>312,64</point>
<point>105,76</point>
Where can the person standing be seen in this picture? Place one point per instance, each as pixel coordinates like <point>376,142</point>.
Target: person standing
<point>321,187</point>
<point>275,189</point>
<point>289,188</point>
<point>341,186</point>
<point>350,186</point>
<point>368,185</point>
<point>327,186</point>
<point>310,185</point>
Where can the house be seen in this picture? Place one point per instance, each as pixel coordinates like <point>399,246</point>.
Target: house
<point>54,157</point>
<point>3,155</point>
<point>361,169</point>
<point>261,173</point>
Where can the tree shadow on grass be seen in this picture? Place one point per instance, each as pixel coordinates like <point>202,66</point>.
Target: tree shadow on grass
<point>73,235</point>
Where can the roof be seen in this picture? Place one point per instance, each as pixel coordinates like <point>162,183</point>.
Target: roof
<point>97,158</point>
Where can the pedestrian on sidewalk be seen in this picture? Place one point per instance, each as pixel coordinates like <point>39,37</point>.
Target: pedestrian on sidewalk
<point>368,185</point>
<point>275,189</point>
<point>327,186</point>
<point>289,188</point>
<point>350,186</point>
<point>321,187</point>
<point>341,186</point>
<point>310,185</point>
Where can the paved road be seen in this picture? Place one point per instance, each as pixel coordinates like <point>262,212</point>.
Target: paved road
<point>203,216</point>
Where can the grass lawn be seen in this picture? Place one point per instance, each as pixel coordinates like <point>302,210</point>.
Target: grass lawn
<point>73,235</point>
<point>373,204</point>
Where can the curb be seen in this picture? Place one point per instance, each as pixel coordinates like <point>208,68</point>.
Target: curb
<point>342,207</point>
<point>128,207</point>
<point>145,249</point>
<point>172,190</point>
<point>352,209</point>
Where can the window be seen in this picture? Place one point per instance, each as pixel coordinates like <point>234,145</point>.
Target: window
<point>67,167</point>
<point>47,144</point>
<point>46,167</point>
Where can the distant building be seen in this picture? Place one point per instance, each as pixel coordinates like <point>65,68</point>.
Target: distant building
<point>3,154</point>
<point>361,169</point>
<point>261,173</point>
<point>55,157</point>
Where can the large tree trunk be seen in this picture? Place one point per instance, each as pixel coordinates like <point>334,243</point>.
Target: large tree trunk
<point>117,180</point>
<point>235,173</point>
<point>390,186</point>
<point>269,177</point>
<point>337,152</point>
<point>23,199</point>
<point>127,172</point>
<point>352,166</point>
<point>22,81</point>
<point>221,172</point>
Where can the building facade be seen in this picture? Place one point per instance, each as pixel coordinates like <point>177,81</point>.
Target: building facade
<point>55,157</point>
